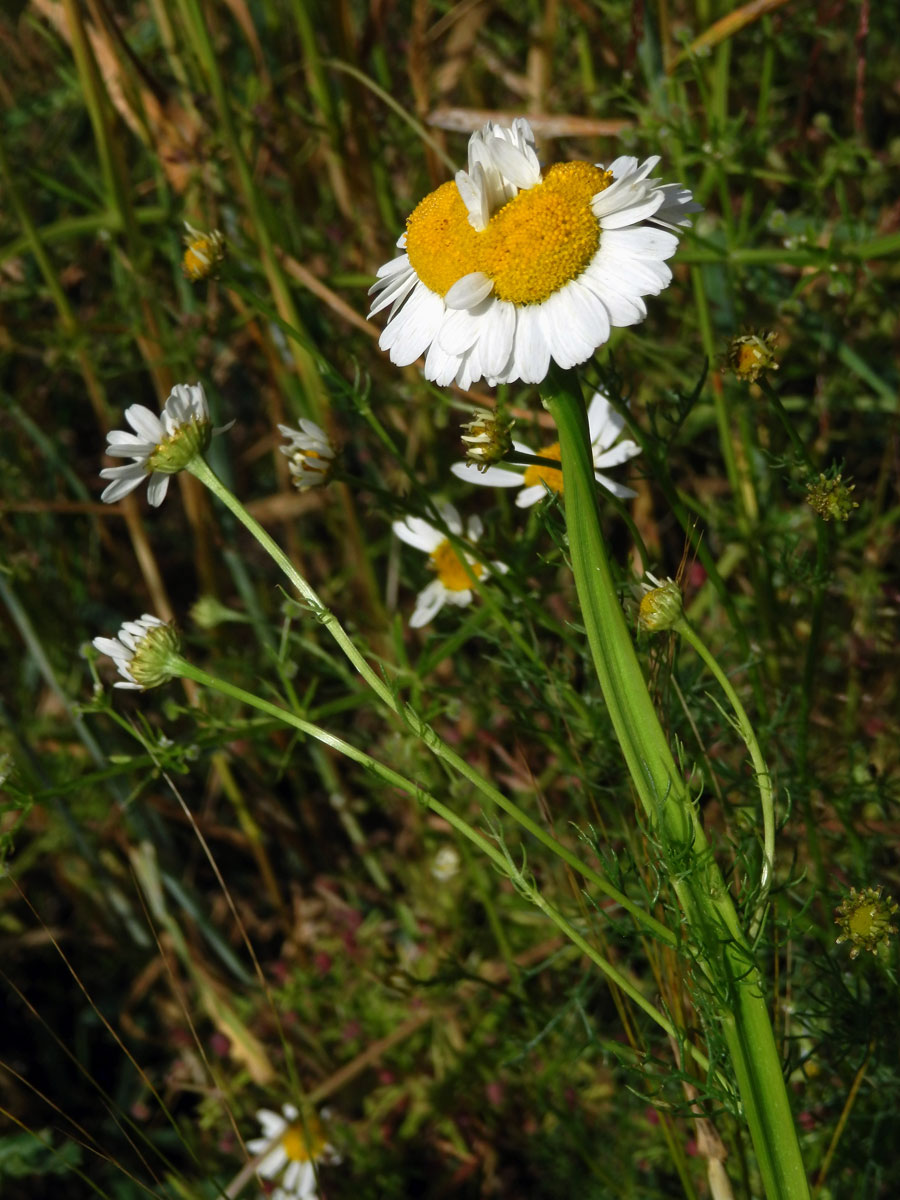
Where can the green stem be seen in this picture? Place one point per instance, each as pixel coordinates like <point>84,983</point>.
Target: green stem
<point>761,771</point>
<point>712,924</point>
<point>498,856</point>
<point>202,471</point>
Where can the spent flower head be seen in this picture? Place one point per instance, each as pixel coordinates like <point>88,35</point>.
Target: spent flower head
<point>203,252</point>
<point>506,267</point>
<point>291,1148</point>
<point>605,426</point>
<point>455,569</point>
<point>310,454</point>
<point>146,653</point>
<point>487,439</point>
<point>160,445</point>
<point>831,498</point>
<point>865,920</point>
<point>751,354</point>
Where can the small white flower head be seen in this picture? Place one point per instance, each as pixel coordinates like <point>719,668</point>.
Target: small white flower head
<point>203,252</point>
<point>146,653</point>
<point>507,268</point>
<point>455,570</point>
<point>160,446</point>
<point>445,864</point>
<point>291,1147</point>
<point>487,440</point>
<point>535,481</point>
<point>310,454</point>
<point>662,605</point>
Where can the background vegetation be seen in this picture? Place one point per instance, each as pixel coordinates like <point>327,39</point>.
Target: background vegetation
<point>203,915</point>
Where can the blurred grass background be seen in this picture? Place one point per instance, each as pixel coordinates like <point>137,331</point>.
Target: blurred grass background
<point>159,988</point>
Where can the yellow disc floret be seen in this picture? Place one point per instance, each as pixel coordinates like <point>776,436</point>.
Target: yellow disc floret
<point>453,573</point>
<point>303,1145</point>
<point>546,475</point>
<point>533,246</point>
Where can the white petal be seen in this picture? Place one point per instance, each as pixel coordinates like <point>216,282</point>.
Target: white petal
<point>531,353</point>
<point>474,529</point>
<point>600,414</point>
<point>469,291</point>
<point>459,331</point>
<point>492,477</point>
<point>439,365</point>
<point>451,518</point>
<point>498,337</point>
<point>418,533</point>
<point>429,603</point>
<point>617,454</point>
<point>630,211</point>
<point>460,597</point>
<point>411,331</point>
<point>645,242</point>
<point>145,423</point>
<point>617,489</point>
<point>519,166</point>
<point>394,291</point>
<point>157,488</point>
<point>530,495</point>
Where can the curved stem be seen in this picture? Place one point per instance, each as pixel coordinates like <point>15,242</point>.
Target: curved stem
<point>761,771</point>
<point>498,856</point>
<point>202,471</point>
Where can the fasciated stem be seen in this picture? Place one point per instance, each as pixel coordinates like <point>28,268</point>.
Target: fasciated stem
<point>713,931</point>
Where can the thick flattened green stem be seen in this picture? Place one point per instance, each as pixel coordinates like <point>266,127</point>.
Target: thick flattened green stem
<point>712,927</point>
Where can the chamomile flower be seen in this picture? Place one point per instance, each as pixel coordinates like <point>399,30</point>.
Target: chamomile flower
<point>310,454</point>
<point>203,252</point>
<point>605,426</point>
<point>453,584</point>
<point>507,267</point>
<point>293,1146</point>
<point>145,652</point>
<point>160,445</point>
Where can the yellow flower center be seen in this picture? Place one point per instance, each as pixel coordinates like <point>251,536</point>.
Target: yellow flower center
<point>533,246</point>
<point>546,475</point>
<point>451,570</point>
<point>303,1145</point>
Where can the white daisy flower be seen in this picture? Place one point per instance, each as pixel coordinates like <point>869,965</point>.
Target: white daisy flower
<point>160,445</point>
<point>143,652</point>
<point>454,583</point>
<point>291,1147</point>
<point>605,426</point>
<point>310,454</point>
<point>506,267</point>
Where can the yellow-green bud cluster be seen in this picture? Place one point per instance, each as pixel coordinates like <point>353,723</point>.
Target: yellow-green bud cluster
<point>487,440</point>
<point>831,498</point>
<point>865,920</point>
<point>751,354</point>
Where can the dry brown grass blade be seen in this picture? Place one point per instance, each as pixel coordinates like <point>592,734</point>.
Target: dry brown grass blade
<point>727,27</point>
<point>545,125</point>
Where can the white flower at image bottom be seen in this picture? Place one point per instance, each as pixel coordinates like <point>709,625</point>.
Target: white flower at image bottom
<point>605,425</point>
<point>453,584</point>
<point>160,445</point>
<point>507,267</point>
<point>294,1147</point>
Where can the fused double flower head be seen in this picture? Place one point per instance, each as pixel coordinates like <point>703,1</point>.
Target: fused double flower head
<point>507,267</point>
<point>160,445</point>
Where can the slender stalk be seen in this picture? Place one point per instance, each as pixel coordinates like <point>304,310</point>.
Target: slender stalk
<point>202,471</point>
<point>500,857</point>
<point>712,925</point>
<point>761,771</point>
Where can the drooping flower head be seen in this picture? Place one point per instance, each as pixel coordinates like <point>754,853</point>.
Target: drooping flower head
<point>507,267</point>
<point>160,445</point>
<point>535,481</point>
<point>293,1146</point>
<point>454,568</point>
<point>310,454</point>
<point>145,652</point>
